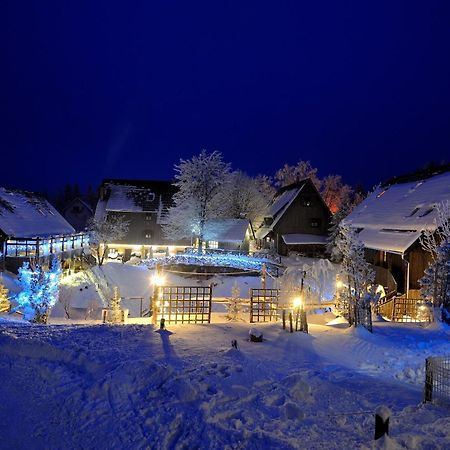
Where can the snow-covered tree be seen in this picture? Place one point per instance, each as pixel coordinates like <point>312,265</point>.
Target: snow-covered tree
<point>202,183</point>
<point>40,290</point>
<point>103,231</point>
<point>234,303</point>
<point>115,306</point>
<point>436,241</point>
<point>244,198</point>
<point>335,232</point>
<point>292,174</point>
<point>357,277</point>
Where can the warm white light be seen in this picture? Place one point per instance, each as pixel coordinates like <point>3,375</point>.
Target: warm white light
<point>339,284</point>
<point>298,301</point>
<point>158,279</point>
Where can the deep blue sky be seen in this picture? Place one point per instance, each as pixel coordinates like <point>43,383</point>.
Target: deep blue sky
<point>124,89</point>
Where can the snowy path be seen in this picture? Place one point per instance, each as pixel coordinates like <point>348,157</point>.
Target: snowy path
<point>130,387</point>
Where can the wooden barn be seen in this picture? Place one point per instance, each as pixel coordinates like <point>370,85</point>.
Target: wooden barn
<point>390,221</point>
<point>32,229</point>
<point>144,203</point>
<point>77,213</point>
<point>296,220</point>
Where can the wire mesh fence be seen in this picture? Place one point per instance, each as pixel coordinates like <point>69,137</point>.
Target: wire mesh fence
<point>437,380</point>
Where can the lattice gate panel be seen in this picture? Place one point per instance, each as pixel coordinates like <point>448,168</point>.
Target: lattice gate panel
<point>264,305</point>
<point>437,380</point>
<point>185,304</point>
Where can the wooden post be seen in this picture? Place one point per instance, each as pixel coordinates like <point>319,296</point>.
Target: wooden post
<point>290,323</point>
<point>283,316</point>
<point>382,415</point>
<point>297,311</point>
<point>428,394</point>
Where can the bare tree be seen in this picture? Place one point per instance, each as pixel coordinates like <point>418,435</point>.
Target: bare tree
<point>103,231</point>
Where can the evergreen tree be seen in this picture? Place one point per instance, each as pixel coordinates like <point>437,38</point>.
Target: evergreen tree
<point>335,233</point>
<point>40,290</point>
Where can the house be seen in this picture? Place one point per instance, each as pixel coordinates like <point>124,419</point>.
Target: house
<point>32,229</point>
<point>78,213</point>
<point>296,220</point>
<point>390,222</point>
<point>229,234</point>
<point>144,204</point>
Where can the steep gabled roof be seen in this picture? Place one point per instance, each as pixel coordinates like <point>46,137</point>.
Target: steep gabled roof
<point>226,230</point>
<point>27,215</point>
<point>393,217</point>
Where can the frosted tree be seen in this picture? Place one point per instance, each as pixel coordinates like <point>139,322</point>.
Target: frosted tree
<point>435,240</point>
<point>40,290</point>
<point>358,278</point>
<point>292,174</point>
<point>115,306</point>
<point>4,300</point>
<point>202,183</point>
<point>244,198</point>
<point>234,303</point>
<point>105,230</point>
<point>335,233</point>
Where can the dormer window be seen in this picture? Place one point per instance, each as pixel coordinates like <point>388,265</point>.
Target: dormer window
<point>413,212</point>
<point>425,213</point>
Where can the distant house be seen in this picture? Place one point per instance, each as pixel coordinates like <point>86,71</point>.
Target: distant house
<point>77,213</point>
<point>296,220</point>
<point>229,234</point>
<point>144,203</point>
<point>391,220</point>
<point>32,229</point>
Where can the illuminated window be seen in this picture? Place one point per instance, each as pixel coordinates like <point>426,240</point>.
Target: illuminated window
<point>213,244</point>
<point>315,223</point>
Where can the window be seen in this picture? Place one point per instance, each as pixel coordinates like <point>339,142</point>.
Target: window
<point>413,212</point>
<point>315,223</point>
<point>213,244</point>
<point>148,217</point>
<point>428,211</point>
<point>147,234</point>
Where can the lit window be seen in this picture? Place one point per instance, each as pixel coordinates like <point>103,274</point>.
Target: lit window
<point>213,244</point>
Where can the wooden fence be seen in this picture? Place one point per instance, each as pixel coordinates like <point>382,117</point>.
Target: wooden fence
<point>403,309</point>
<point>264,305</point>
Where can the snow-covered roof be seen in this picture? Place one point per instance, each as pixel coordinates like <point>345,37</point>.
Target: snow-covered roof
<point>303,239</point>
<point>226,230</point>
<point>393,217</point>
<point>27,215</point>
<point>262,232</point>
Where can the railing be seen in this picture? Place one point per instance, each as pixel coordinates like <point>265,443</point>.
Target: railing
<point>403,309</point>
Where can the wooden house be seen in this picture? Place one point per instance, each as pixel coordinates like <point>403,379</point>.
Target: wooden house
<point>296,220</point>
<point>229,235</point>
<point>144,203</point>
<point>32,229</point>
<point>78,213</point>
<point>390,222</point>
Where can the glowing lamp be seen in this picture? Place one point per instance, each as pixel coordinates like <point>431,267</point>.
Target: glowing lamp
<point>339,284</point>
<point>158,279</point>
<point>298,301</point>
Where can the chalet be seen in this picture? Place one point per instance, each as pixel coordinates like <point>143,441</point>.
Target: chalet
<point>144,203</point>
<point>390,221</point>
<point>78,213</point>
<point>296,220</point>
<point>32,229</point>
<point>229,234</point>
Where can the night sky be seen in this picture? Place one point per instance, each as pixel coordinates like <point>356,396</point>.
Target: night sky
<point>124,89</point>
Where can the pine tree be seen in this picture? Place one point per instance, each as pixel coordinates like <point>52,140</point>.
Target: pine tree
<point>40,290</point>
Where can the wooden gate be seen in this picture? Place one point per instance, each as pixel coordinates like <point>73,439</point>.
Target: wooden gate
<point>183,304</point>
<point>264,305</point>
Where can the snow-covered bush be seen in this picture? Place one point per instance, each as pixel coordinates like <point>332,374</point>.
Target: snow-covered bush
<point>234,303</point>
<point>40,290</point>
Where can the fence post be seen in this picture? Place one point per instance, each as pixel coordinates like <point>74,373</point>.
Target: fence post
<point>428,395</point>
<point>382,415</point>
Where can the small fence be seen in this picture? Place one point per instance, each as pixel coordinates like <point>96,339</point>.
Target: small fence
<point>264,305</point>
<point>183,304</point>
<point>437,380</point>
<point>403,309</point>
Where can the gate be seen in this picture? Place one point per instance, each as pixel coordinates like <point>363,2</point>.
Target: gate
<point>437,380</point>
<point>183,304</point>
<point>264,305</point>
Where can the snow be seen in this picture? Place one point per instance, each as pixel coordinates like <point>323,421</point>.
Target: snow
<point>298,239</point>
<point>111,386</point>
<point>282,201</point>
<point>393,217</point>
<point>226,230</point>
<point>30,216</point>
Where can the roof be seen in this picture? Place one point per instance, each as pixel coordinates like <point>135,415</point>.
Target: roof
<point>304,239</point>
<point>27,215</point>
<point>392,218</point>
<point>78,200</point>
<point>135,196</point>
<point>226,230</point>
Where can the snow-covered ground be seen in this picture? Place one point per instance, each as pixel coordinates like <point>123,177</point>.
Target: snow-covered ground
<point>104,386</point>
